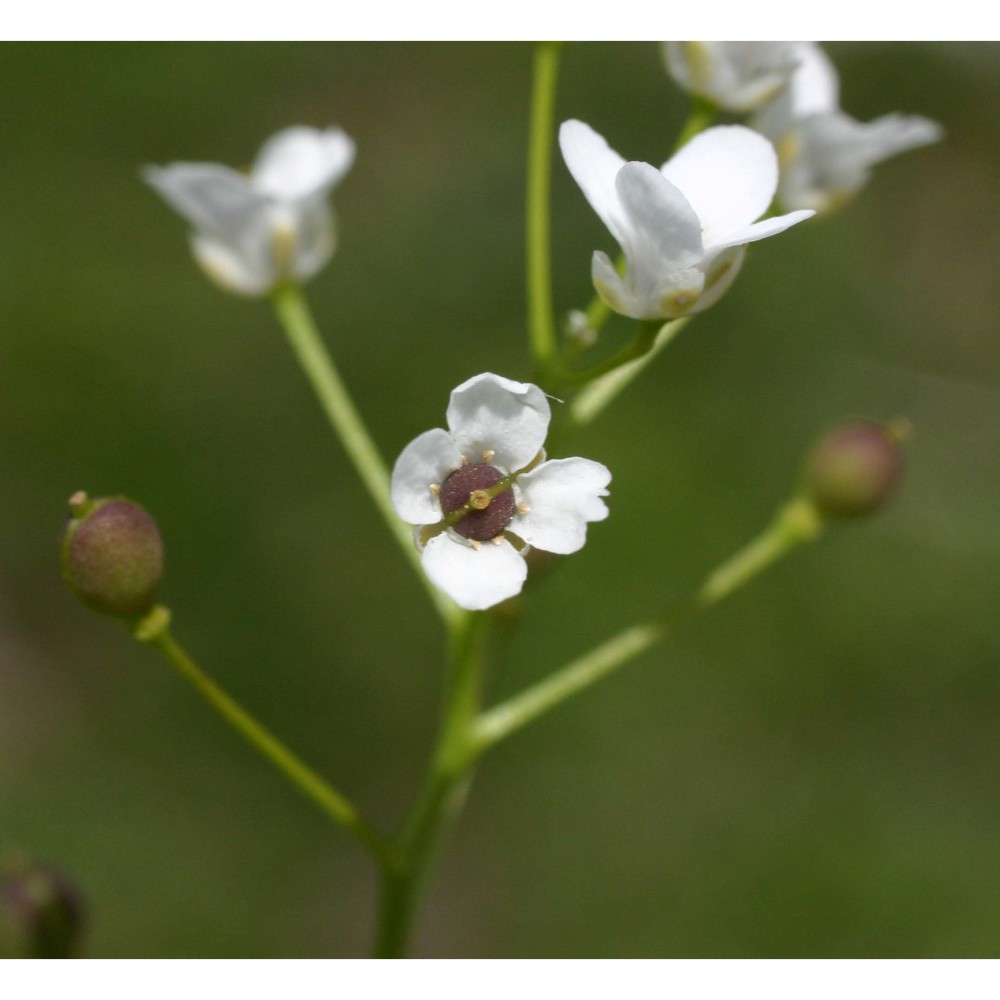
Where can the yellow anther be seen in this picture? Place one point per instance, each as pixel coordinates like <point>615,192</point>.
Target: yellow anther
<point>488,455</point>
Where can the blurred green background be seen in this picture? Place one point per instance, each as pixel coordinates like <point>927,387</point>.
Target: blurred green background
<point>812,769</point>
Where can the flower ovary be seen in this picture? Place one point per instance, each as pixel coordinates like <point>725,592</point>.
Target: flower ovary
<point>468,487</point>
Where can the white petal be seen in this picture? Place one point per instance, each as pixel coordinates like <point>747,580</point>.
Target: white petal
<point>475,579</point>
<point>831,155</point>
<point>761,230</point>
<point>729,175</point>
<point>853,144</point>
<point>233,239</point>
<point>663,247</point>
<point>425,460</point>
<point>230,269</point>
<point>814,85</point>
<point>562,495</point>
<point>813,88</point>
<point>610,286</point>
<point>663,229</point>
<point>312,233</point>
<point>492,413</point>
<point>594,166</point>
<point>720,272</point>
<point>300,162</point>
<point>217,201</point>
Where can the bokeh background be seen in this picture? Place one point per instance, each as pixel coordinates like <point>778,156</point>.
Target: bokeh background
<point>812,769</point>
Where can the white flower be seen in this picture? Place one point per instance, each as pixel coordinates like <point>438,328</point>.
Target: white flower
<point>254,230</point>
<point>826,155</point>
<point>683,228</point>
<point>737,76</point>
<point>496,429</point>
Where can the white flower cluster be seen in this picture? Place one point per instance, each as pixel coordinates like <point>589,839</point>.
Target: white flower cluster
<point>481,493</point>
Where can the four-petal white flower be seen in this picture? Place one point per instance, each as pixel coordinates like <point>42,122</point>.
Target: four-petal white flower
<point>489,465</point>
<point>683,228</point>
<point>252,231</point>
<point>737,76</point>
<point>825,155</point>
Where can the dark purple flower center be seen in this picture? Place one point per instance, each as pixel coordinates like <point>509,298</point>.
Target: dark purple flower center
<point>470,483</point>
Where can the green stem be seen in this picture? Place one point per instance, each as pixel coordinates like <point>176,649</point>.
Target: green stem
<point>541,324</point>
<point>442,796</point>
<point>797,522</point>
<point>699,118</point>
<point>154,630</point>
<point>316,362</point>
<point>593,398</point>
<point>640,345</point>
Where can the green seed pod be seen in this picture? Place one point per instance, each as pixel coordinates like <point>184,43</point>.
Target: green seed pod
<point>112,555</point>
<point>41,912</point>
<point>854,469</point>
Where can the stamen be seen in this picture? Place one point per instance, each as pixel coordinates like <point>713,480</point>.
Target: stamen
<point>523,507</point>
<point>488,455</point>
<point>435,488</point>
<point>497,539</point>
<point>476,544</point>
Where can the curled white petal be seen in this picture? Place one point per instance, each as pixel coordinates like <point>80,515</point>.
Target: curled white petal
<point>492,413</point>
<point>300,162</point>
<point>561,496</point>
<point>474,578</point>
<point>426,460</point>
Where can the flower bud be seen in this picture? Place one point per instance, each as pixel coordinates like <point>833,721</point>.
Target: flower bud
<point>41,912</point>
<point>854,469</point>
<point>112,555</point>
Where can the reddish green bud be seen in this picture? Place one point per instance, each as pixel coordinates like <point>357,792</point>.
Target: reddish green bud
<point>112,555</point>
<point>41,912</point>
<point>855,468</point>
